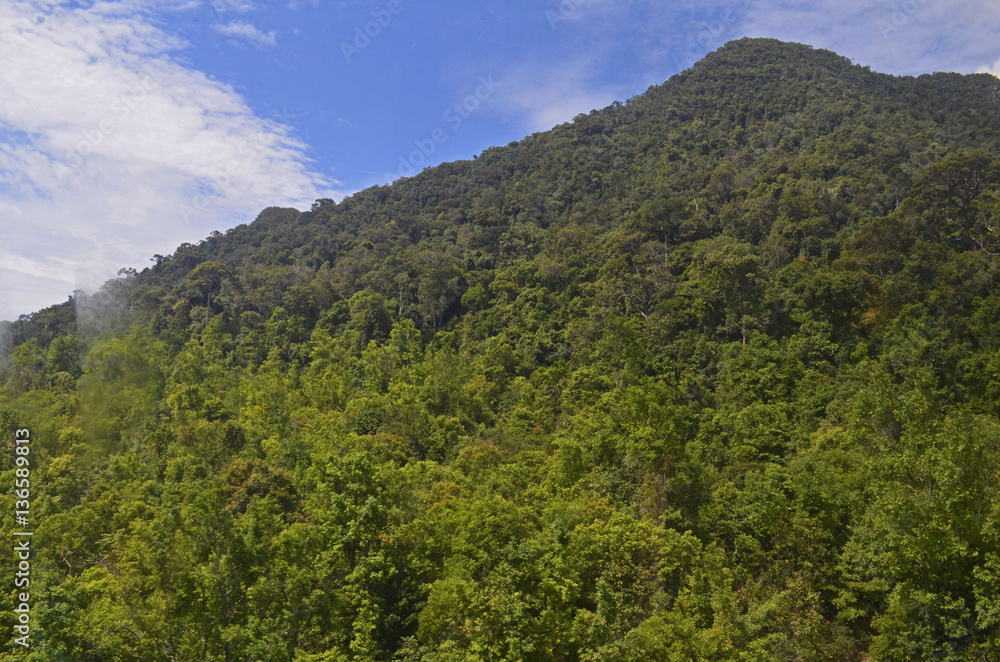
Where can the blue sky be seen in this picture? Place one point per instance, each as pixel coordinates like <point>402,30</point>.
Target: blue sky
<point>130,126</point>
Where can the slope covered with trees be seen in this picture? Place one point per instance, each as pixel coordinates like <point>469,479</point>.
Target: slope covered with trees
<point>712,374</point>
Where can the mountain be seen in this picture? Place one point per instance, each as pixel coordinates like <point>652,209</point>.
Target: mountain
<point>711,374</point>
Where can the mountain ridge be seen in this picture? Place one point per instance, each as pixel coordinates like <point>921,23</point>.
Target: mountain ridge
<point>712,374</point>
<point>706,79</point>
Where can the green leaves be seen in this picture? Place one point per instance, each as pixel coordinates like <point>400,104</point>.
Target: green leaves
<point>734,270</point>
<point>709,375</point>
<point>957,197</point>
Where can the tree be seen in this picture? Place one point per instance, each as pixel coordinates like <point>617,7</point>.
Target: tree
<point>735,270</point>
<point>957,197</point>
<point>207,279</point>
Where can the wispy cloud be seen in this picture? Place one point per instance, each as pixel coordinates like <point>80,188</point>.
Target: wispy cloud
<point>596,36</point>
<point>911,37</point>
<point>238,6</point>
<point>111,151</point>
<point>572,11</point>
<point>591,41</point>
<point>995,69</point>
<point>547,95</point>
<point>248,32</point>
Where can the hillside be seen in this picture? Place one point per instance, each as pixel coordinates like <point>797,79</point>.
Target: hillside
<point>711,374</point>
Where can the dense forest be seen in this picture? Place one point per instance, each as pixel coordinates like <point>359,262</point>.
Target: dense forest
<point>710,374</point>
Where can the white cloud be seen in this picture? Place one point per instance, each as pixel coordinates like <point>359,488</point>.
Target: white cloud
<point>995,69</point>
<point>549,95</point>
<point>912,37</point>
<point>176,5</point>
<point>239,6</point>
<point>111,151</point>
<point>593,37</point>
<point>247,32</point>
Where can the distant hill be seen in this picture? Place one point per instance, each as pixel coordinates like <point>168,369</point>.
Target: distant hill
<point>751,111</point>
<point>709,374</point>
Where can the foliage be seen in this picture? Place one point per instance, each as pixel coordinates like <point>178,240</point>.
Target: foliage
<point>712,374</point>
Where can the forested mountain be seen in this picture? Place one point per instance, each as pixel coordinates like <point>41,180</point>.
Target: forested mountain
<point>712,374</point>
